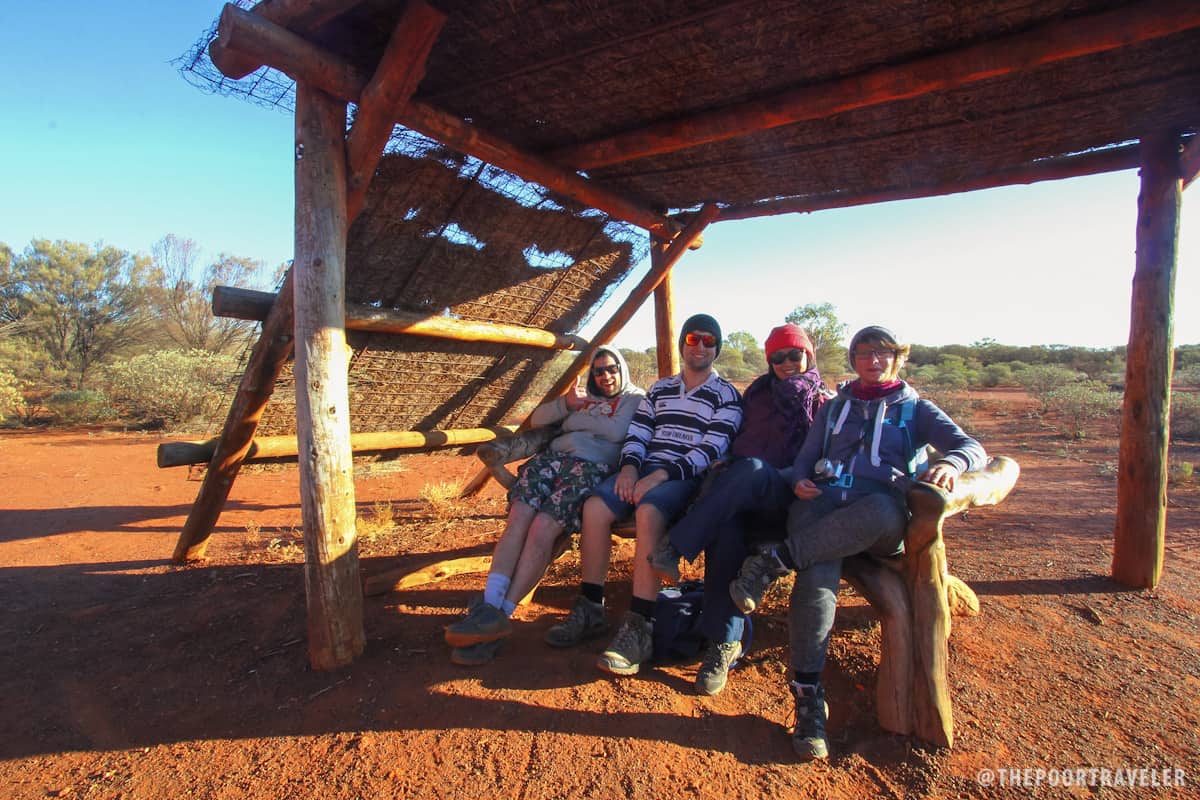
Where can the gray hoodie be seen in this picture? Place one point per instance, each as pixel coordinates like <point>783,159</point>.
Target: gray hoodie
<point>595,432</point>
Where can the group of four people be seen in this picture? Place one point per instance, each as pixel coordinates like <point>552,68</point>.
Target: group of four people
<point>796,482</point>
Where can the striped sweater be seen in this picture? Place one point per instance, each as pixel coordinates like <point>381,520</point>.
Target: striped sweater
<point>683,432</point>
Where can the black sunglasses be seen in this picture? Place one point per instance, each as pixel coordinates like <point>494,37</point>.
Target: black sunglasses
<point>611,369</point>
<point>779,356</point>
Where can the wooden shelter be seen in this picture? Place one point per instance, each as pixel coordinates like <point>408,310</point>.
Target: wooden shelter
<point>619,119</point>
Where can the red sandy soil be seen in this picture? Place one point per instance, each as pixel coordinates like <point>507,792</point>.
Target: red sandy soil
<point>125,676</point>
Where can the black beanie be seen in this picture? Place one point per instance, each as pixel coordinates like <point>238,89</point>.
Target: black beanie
<point>700,322</point>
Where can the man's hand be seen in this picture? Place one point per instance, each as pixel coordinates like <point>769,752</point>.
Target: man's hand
<point>576,396</point>
<point>626,478</point>
<point>647,483</point>
<point>805,489</point>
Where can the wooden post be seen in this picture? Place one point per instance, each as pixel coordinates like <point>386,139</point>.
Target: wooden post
<point>331,574</point>
<point>664,317</point>
<point>267,358</point>
<point>1145,416</point>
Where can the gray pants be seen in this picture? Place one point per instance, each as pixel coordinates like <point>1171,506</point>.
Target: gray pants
<point>822,532</point>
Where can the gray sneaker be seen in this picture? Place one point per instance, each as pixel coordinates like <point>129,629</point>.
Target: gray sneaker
<point>808,738</point>
<point>757,573</point>
<point>664,560</point>
<point>633,645</point>
<point>714,669</point>
<point>476,655</point>
<point>586,621</point>
<point>482,623</point>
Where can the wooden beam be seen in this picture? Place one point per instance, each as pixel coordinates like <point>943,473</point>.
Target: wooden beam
<point>267,358</point>
<point>1094,163</point>
<point>181,454</point>
<point>1189,162</point>
<point>396,77</point>
<point>1145,417</point>
<point>249,304</point>
<point>1055,41</point>
<point>299,16</point>
<point>305,62</point>
<point>666,349</point>
<point>679,245</point>
<point>331,574</point>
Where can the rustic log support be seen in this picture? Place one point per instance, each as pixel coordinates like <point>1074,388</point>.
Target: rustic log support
<point>885,590</point>
<point>1112,160</point>
<point>679,245</point>
<point>180,454</point>
<point>298,16</point>
<point>396,77</point>
<point>666,348</point>
<point>331,574</point>
<point>1056,41</point>
<point>248,304</point>
<point>1145,417</point>
<point>267,358</point>
<point>305,62</point>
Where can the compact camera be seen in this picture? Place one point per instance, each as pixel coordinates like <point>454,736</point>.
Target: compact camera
<point>827,470</point>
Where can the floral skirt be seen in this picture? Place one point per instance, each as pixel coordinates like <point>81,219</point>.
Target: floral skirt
<point>557,484</point>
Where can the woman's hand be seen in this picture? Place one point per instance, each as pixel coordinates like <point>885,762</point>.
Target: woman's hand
<point>647,483</point>
<point>805,489</point>
<point>940,474</point>
<point>626,478</point>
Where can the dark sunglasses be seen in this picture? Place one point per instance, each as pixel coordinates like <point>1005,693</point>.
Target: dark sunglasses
<point>706,339</point>
<point>611,369</point>
<point>795,354</point>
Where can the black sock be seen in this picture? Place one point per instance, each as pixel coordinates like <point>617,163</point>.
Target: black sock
<point>643,607</point>
<point>807,678</point>
<point>592,591</point>
<point>784,555</point>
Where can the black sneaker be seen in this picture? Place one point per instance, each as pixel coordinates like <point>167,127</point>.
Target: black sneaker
<point>630,648</point>
<point>664,560</point>
<point>483,623</point>
<point>587,620</point>
<point>757,573</point>
<point>714,669</point>
<point>808,738</point>
<point>476,655</point>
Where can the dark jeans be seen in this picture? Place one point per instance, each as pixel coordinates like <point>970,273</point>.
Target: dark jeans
<point>746,497</point>
<point>821,532</point>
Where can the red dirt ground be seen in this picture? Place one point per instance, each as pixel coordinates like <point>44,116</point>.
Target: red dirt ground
<point>124,676</point>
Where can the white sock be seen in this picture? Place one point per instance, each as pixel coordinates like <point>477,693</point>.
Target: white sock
<point>496,588</point>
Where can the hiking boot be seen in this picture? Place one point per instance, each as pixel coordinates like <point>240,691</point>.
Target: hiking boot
<point>633,644</point>
<point>476,655</point>
<point>586,621</point>
<point>714,669</point>
<point>664,560</point>
<point>757,573</point>
<point>482,623</point>
<point>808,737</point>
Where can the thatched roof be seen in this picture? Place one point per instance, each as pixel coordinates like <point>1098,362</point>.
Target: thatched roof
<point>862,99</point>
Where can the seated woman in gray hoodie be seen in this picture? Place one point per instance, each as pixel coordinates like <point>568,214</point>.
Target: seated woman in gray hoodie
<point>547,497</point>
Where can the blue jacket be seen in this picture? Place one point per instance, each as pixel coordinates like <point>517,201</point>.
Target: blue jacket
<point>867,439</point>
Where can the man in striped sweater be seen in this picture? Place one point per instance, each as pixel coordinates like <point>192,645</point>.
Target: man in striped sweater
<point>685,423</point>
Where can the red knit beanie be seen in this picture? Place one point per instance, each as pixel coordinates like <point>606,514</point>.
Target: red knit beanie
<point>785,337</point>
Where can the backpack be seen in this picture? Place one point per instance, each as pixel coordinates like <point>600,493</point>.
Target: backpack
<point>677,635</point>
<point>908,408</point>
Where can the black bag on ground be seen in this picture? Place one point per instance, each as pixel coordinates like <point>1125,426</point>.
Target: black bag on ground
<point>677,635</point>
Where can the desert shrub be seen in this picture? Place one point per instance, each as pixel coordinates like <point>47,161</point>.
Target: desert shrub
<point>1181,472</point>
<point>1185,416</point>
<point>996,375</point>
<point>12,401</point>
<point>168,387</point>
<point>79,406</point>
<point>1188,376</point>
<point>1042,379</point>
<point>1080,402</point>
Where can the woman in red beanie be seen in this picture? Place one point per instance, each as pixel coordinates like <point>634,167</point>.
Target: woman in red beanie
<point>753,493</point>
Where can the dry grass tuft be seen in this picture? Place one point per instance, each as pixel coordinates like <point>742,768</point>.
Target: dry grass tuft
<point>443,498</point>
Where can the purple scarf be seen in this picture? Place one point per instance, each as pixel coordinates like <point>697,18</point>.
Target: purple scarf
<point>776,415</point>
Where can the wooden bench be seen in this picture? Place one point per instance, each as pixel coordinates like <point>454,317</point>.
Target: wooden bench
<point>914,595</point>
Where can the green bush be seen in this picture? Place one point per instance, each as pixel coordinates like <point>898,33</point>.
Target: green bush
<point>1042,379</point>
<point>12,402</point>
<point>79,406</point>
<point>168,387</point>
<point>1080,402</point>
<point>1188,376</point>
<point>997,375</point>
<point>1185,416</point>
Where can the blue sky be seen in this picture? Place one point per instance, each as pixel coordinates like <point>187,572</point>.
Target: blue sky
<point>102,140</point>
